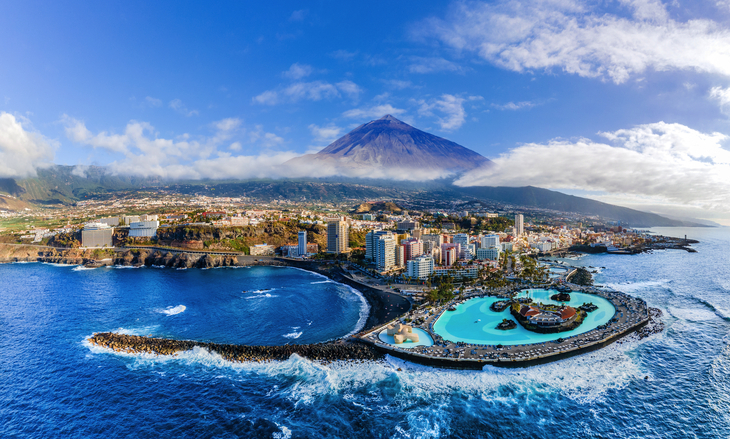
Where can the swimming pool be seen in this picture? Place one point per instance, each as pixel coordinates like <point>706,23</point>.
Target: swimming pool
<point>473,322</point>
<point>424,339</point>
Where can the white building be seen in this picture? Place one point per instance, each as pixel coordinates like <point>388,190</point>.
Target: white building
<point>488,253</point>
<point>302,243</point>
<point>421,267</point>
<point>96,235</point>
<point>490,241</point>
<point>143,229</point>
<point>519,224</point>
<point>385,253</point>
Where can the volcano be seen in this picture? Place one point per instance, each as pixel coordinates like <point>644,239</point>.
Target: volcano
<point>388,146</point>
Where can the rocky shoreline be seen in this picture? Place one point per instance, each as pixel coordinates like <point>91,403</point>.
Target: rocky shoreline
<point>322,352</point>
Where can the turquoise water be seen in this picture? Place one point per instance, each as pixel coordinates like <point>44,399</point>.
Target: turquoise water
<point>473,321</point>
<point>423,339</point>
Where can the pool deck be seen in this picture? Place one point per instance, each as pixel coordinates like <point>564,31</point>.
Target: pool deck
<point>631,314</point>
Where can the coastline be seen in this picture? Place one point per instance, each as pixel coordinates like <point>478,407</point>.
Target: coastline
<point>384,307</point>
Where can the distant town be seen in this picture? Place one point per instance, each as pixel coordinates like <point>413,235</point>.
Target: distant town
<point>381,237</point>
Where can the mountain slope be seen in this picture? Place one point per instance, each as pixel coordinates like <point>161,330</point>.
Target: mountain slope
<point>389,144</point>
<point>530,196</point>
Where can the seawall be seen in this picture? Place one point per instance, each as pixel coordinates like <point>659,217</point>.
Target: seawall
<point>323,352</point>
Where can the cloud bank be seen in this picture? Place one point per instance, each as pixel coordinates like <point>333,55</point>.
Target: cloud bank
<point>670,163</point>
<point>582,38</point>
<point>22,152</point>
<point>145,154</point>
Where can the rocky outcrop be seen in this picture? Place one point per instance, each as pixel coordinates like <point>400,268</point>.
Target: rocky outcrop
<point>101,257</point>
<point>322,352</point>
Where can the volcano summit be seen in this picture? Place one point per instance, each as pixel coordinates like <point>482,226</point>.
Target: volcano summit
<point>390,148</point>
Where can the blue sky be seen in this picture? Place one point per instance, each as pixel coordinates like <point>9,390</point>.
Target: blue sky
<point>637,91</point>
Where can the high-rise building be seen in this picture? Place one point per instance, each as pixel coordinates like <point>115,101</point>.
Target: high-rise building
<point>302,243</point>
<point>371,241</point>
<point>463,240</point>
<point>337,237</point>
<point>411,248</point>
<point>448,255</point>
<point>420,267</point>
<point>519,224</point>
<point>445,249</point>
<point>490,241</point>
<point>385,253</point>
<point>400,258</point>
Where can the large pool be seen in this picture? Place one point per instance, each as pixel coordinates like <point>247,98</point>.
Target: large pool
<point>423,339</point>
<point>473,322</point>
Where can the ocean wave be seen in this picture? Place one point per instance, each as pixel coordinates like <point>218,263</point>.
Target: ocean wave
<point>293,335</point>
<point>717,311</point>
<point>632,287</point>
<point>328,281</point>
<point>261,296</point>
<point>585,379</point>
<point>82,268</point>
<point>123,267</point>
<point>364,311</point>
<point>284,432</point>
<point>173,310</point>
<point>261,291</point>
<point>53,264</point>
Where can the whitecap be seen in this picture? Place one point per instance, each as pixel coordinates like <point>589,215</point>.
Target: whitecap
<point>293,335</point>
<point>631,287</point>
<point>173,310</point>
<point>285,433</point>
<point>261,296</point>
<point>328,281</point>
<point>53,264</point>
<point>81,268</point>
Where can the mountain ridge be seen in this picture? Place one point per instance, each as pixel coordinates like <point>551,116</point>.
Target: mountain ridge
<point>59,185</point>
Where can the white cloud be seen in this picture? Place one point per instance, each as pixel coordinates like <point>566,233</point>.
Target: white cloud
<point>373,112</point>
<point>325,134</point>
<point>177,105</point>
<point>398,84</point>
<point>432,65</point>
<point>298,71</point>
<point>22,151</point>
<point>80,171</point>
<point>669,163</point>
<point>310,91</point>
<point>298,15</point>
<point>581,38</point>
<point>722,96</point>
<point>452,108</point>
<point>144,153</point>
<point>514,105</point>
<point>152,102</point>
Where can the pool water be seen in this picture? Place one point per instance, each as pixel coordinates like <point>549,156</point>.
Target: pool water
<point>473,322</point>
<point>424,339</point>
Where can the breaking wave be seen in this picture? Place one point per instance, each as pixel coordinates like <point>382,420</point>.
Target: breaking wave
<point>173,310</point>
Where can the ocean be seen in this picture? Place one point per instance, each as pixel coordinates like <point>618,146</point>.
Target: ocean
<point>54,384</point>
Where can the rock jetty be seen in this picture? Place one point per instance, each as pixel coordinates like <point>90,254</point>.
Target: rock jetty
<point>322,352</point>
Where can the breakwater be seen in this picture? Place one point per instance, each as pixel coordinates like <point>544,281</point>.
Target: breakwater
<point>321,352</point>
